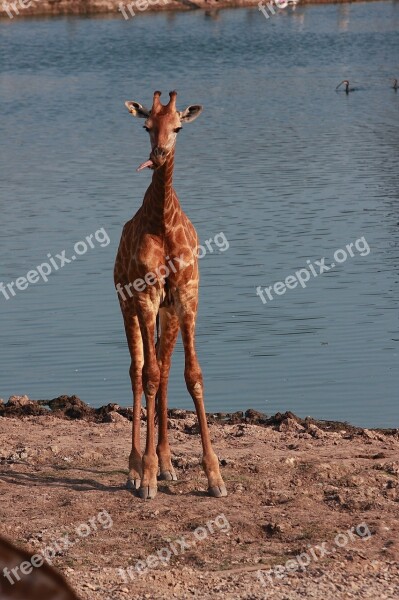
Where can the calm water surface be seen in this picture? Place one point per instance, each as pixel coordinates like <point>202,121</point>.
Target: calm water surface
<point>288,169</point>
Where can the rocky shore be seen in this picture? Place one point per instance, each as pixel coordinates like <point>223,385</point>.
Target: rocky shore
<point>11,9</point>
<point>312,510</point>
<point>72,407</point>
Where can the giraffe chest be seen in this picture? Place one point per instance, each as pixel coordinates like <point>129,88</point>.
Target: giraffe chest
<point>175,248</point>
<point>176,268</point>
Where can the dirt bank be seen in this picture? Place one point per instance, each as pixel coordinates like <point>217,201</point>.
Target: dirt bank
<point>322,495</point>
<point>28,8</point>
<point>326,492</point>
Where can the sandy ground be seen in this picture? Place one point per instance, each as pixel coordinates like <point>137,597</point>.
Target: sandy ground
<point>324,497</point>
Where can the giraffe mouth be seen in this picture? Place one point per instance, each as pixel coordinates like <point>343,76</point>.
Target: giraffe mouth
<point>156,160</point>
<point>147,164</point>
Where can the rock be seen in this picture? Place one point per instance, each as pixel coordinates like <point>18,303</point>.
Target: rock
<point>178,413</point>
<point>21,406</point>
<point>191,426</point>
<point>107,414</point>
<point>185,462</point>
<point>21,453</point>
<point>315,431</point>
<point>255,417</point>
<point>112,407</point>
<point>356,480</point>
<point>127,413</point>
<point>240,431</point>
<point>391,484</point>
<point>227,462</point>
<point>371,435</point>
<point>72,407</point>
<point>273,528</point>
<point>236,417</point>
<point>389,467</point>
<point>19,401</point>
<point>289,424</point>
<point>114,417</point>
<point>276,419</point>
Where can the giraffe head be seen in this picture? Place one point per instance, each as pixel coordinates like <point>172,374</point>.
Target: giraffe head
<point>163,122</point>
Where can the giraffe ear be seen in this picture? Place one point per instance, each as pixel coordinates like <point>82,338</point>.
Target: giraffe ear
<point>191,113</point>
<point>137,110</point>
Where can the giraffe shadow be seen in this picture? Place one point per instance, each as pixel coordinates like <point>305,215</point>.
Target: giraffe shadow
<point>170,492</point>
<point>75,483</point>
<point>85,484</point>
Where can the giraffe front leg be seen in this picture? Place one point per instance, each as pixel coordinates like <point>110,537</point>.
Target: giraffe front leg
<point>136,352</point>
<point>147,311</point>
<point>135,469</point>
<point>149,487</point>
<point>194,382</point>
<point>169,332</point>
<point>135,463</point>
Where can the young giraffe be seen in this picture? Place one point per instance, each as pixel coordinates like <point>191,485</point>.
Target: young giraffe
<point>160,234</point>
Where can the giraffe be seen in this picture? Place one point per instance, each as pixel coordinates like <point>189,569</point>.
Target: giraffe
<point>25,576</point>
<point>161,298</point>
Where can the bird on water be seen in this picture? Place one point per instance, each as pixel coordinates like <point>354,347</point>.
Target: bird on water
<point>347,88</point>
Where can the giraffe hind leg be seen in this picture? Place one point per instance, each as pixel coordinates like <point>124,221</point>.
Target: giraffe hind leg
<point>195,386</point>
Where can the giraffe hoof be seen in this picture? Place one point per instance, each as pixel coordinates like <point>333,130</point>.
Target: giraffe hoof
<point>167,475</point>
<point>147,492</point>
<point>217,491</point>
<point>133,484</point>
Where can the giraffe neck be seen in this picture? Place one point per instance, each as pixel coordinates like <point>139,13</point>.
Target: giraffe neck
<point>160,203</point>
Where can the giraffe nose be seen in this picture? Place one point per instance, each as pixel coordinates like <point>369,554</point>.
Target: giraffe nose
<point>159,152</point>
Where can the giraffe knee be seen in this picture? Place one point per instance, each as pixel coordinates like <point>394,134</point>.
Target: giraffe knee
<point>194,381</point>
<point>151,378</point>
<point>135,373</point>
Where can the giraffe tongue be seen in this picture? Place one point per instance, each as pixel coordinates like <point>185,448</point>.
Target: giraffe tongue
<point>147,163</point>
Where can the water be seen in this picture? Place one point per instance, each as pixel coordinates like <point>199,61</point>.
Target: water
<point>285,167</point>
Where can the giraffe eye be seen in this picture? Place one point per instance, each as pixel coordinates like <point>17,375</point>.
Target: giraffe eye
<point>146,128</point>
<point>178,129</point>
